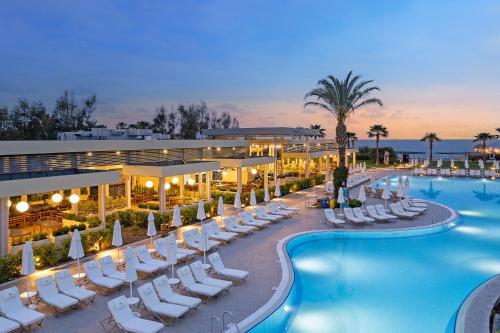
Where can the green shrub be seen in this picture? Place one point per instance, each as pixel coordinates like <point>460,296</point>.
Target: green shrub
<point>61,231</point>
<point>39,236</point>
<point>10,267</point>
<point>79,226</point>
<point>46,255</point>
<point>93,221</point>
<point>340,175</point>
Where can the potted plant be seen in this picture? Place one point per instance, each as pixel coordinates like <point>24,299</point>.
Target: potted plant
<point>93,223</point>
<point>36,240</point>
<point>59,235</point>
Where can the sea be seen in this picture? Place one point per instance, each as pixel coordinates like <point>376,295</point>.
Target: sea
<point>445,149</point>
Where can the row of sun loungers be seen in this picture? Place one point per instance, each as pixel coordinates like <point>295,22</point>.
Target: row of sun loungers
<point>456,173</point>
<point>376,213</point>
<point>357,179</point>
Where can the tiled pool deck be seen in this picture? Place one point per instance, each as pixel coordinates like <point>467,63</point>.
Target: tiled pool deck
<point>255,253</point>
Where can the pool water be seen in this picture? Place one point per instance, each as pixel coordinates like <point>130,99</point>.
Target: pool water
<point>378,282</point>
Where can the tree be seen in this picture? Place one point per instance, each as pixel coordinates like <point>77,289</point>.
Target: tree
<point>142,124</point>
<point>377,131</point>
<point>322,131</point>
<point>483,138</point>
<point>68,116</point>
<point>342,99</point>
<point>122,125</point>
<point>30,122</point>
<point>172,123</point>
<point>160,120</point>
<point>188,121</point>
<point>430,137</point>
<point>351,139</point>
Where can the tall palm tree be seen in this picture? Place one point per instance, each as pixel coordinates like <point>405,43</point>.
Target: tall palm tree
<point>430,137</point>
<point>351,139</point>
<point>483,137</point>
<point>341,98</point>
<point>377,131</point>
<point>322,131</point>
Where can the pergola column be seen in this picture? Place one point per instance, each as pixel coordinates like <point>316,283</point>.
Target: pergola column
<point>74,206</point>
<point>239,179</point>
<point>101,203</point>
<point>162,195</point>
<point>266,175</point>
<point>4,226</point>
<point>307,158</point>
<point>181,186</point>
<point>208,180</point>
<point>327,164</point>
<point>128,190</point>
<point>346,159</point>
<point>320,165</point>
<point>354,158</point>
<point>200,185</point>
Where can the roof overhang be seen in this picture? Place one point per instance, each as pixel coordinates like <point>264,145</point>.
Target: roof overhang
<point>244,162</point>
<point>9,188</point>
<point>170,170</point>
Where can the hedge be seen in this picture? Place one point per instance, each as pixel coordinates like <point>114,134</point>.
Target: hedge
<point>48,255</point>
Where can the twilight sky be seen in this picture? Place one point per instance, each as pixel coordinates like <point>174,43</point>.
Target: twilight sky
<point>437,62</point>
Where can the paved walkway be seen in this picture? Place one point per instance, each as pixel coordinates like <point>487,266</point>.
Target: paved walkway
<point>255,253</point>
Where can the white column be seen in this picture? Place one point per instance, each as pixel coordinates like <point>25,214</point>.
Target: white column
<point>354,158</point>
<point>74,207</point>
<point>101,203</point>
<point>162,195</point>
<point>320,165</point>
<point>327,164</point>
<point>239,179</point>
<point>106,188</point>
<point>275,176</point>
<point>346,159</point>
<point>4,226</point>
<point>128,190</point>
<point>266,175</point>
<point>307,157</point>
<point>208,188</point>
<point>181,186</point>
<point>200,185</point>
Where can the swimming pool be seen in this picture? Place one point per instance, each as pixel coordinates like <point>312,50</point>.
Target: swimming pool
<point>376,282</point>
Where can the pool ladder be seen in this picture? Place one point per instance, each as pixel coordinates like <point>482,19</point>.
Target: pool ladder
<point>216,325</point>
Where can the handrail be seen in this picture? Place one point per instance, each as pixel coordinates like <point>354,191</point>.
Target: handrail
<point>219,325</point>
<point>231,320</point>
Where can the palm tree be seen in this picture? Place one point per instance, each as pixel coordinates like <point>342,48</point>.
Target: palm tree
<point>483,137</point>
<point>431,137</point>
<point>322,131</point>
<point>341,99</point>
<point>351,139</point>
<point>377,131</point>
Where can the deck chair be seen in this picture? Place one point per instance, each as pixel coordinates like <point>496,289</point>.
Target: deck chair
<point>109,269</point>
<point>13,308</point>
<point>126,320</point>
<point>200,275</point>
<point>161,248</point>
<point>247,219</point>
<point>49,294</point>
<point>145,257</point>
<point>67,286</point>
<point>158,308</point>
<point>95,276</point>
<point>188,282</point>
<point>165,292</point>
<point>331,218</point>
<point>219,268</point>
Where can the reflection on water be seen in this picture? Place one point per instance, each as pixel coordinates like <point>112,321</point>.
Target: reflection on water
<point>484,195</point>
<point>430,193</point>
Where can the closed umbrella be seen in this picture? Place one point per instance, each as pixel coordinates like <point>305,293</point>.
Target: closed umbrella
<point>400,192</point>
<point>237,201</point>
<point>171,244</point>
<point>151,227</point>
<point>201,215</point>
<point>253,198</point>
<point>481,164</point>
<point>277,190</point>
<point>130,272</point>
<point>220,207</point>
<point>266,195</point>
<point>386,194</point>
<point>117,237</point>
<point>466,164</point>
<point>76,250</point>
<point>362,195</point>
<point>176,217</point>
<point>407,187</point>
<point>28,267</point>
<point>204,243</point>
<point>341,199</point>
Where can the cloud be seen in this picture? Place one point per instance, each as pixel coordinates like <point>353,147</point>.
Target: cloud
<point>397,114</point>
<point>371,113</point>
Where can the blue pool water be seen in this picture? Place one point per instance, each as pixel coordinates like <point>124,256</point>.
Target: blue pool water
<point>377,282</point>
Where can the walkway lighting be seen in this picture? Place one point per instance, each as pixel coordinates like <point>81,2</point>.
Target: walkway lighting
<point>22,206</point>
<point>56,197</point>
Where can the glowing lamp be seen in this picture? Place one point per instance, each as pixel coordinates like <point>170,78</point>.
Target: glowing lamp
<point>175,180</point>
<point>74,198</point>
<point>167,186</point>
<point>9,203</point>
<point>149,184</point>
<point>254,171</point>
<point>22,206</point>
<point>56,197</point>
<point>190,181</point>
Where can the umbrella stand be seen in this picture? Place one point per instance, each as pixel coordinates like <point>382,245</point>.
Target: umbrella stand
<point>173,277</point>
<point>204,257</point>
<point>130,283</point>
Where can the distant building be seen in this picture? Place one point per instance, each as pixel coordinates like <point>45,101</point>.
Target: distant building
<point>112,134</point>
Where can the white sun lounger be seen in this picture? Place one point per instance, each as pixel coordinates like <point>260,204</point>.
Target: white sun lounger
<point>161,248</point>
<point>49,294</point>
<point>12,308</point>
<point>220,269</point>
<point>94,274</point>
<point>349,215</point>
<point>262,215</point>
<point>158,308</point>
<point>197,236</point>
<point>381,211</point>
<point>67,286</point>
<point>232,225</point>
<point>190,240</point>
<point>218,234</point>
<point>372,212</point>
<point>188,282</point>
<point>398,211</point>
<point>145,257</point>
<point>415,203</point>
<point>126,320</point>
<point>7,325</point>
<point>408,208</point>
<point>201,276</point>
<point>331,218</point>
<point>282,205</point>
<point>165,292</point>
<point>143,267</point>
<point>273,209</point>
<point>359,214</point>
<point>109,269</point>
<point>247,219</point>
